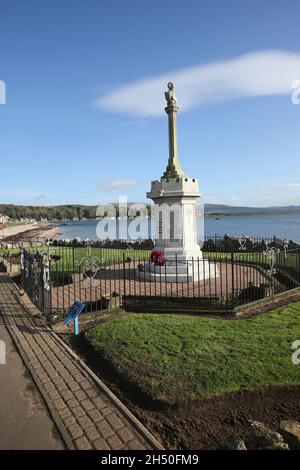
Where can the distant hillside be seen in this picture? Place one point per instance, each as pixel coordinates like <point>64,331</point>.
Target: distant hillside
<point>63,212</point>
<point>222,209</point>
<point>79,212</point>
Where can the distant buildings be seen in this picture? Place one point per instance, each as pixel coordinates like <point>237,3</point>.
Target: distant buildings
<point>27,220</point>
<point>3,221</point>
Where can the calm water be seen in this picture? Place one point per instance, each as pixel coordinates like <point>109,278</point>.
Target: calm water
<point>283,226</point>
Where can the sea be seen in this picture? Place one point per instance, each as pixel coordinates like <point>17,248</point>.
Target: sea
<point>261,225</point>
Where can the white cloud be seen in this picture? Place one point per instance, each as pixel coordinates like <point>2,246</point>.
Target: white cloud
<point>260,73</point>
<point>115,184</point>
<point>288,187</point>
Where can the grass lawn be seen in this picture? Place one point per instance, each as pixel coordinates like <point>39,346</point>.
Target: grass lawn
<point>116,255</point>
<point>67,256</point>
<point>291,259</point>
<point>69,259</point>
<point>178,357</point>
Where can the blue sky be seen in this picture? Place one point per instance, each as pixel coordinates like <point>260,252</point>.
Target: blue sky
<point>83,120</point>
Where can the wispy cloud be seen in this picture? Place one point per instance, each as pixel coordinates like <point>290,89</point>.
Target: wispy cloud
<point>41,197</point>
<point>135,123</point>
<point>116,184</point>
<point>284,194</point>
<point>262,73</point>
<point>288,187</point>
<point>18,193</point>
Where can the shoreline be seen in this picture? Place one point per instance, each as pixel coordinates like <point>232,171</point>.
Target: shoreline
<point>29,232</point>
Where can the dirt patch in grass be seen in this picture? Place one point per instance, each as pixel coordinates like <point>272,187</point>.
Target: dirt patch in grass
<point>206,423</point>
<point>210,422</point>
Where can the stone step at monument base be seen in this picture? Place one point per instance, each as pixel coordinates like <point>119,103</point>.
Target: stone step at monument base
<point>187,271</point>
<point>180,267</point>
<point>182,258</point>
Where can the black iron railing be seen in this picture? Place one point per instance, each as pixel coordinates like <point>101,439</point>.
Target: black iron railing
<point>102,279</point>
<point>105,276</point>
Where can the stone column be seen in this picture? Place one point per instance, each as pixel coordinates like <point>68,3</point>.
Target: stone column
<point>175,196</point>
<point>173,169</point>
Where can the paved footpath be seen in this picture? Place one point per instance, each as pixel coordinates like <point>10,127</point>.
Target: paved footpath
<point>86,413</point>
<point>24,420</point>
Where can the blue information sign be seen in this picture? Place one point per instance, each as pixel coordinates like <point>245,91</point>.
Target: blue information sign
<point>73,315</point>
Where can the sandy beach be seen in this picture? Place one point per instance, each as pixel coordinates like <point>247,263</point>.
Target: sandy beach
<point>29,231</point>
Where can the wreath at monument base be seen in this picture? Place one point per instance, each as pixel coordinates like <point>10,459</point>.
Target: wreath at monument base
<point>158,258</point>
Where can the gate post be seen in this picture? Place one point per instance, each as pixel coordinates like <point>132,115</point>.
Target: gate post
<point>232,279</point>
<point>22,261</point>
<point>124,282</point>
<point>73,257</point>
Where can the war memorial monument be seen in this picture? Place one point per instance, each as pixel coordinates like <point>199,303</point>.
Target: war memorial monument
<point>175,196</point>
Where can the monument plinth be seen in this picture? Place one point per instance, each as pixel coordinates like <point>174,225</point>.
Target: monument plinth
<point>174,197</point>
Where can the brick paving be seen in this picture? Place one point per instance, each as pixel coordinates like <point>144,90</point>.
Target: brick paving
<point>87,416</point>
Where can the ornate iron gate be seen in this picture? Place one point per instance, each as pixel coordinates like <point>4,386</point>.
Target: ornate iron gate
<point>35,279</point>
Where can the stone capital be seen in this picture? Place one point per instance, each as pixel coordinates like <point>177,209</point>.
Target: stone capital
<point>172,108</point>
